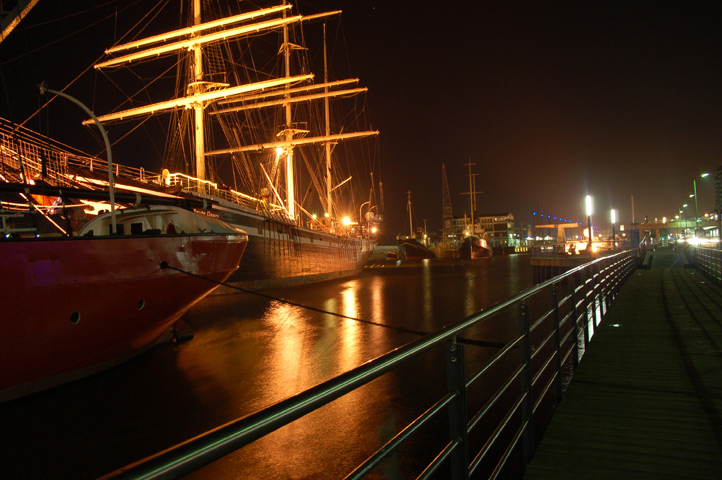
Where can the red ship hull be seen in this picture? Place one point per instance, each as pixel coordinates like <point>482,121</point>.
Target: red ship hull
<point>74,306</point>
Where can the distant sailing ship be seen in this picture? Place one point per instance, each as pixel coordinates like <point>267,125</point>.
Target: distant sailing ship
<point>473,246</point>
<point>448,247</point>
<point>409,246</point>
<point>222,99</point>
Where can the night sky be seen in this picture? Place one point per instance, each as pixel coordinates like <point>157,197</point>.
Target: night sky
<point>552,101</point>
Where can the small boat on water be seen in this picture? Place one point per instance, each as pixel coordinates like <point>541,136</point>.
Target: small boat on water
<point>74,305</point>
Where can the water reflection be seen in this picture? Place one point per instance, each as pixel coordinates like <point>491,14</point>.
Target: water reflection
<point>287,366</point>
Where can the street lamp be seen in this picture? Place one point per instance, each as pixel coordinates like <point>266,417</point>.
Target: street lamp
<point>686,219</point>
<point>696,212</point>
<point>614,220</point>
<point>589,220</point>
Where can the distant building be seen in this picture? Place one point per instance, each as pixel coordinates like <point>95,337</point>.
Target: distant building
<point>498,228</point>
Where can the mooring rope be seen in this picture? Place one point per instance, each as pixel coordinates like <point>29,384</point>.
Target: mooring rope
<point>421,333</point>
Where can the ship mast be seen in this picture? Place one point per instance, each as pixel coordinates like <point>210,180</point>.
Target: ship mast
<point>283,90</point>
<point>446,211</point>
<point>288,132</point>
<point>411,223</point>
<point>472,195</point>
<point>198,107</point>
<point>329,200</point>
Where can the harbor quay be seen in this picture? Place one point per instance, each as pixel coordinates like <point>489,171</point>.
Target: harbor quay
<point>646,401</point>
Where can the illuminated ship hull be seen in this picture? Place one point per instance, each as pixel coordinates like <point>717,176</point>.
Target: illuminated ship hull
<point>474,248</point>
<point>73,306</point>
<point>282,254</point>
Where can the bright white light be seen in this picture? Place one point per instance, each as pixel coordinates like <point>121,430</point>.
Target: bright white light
<point>279,151</point>
<point>374,229</point>
<point>346,221</point>
<point>614,216</point>
<point>589,205</point>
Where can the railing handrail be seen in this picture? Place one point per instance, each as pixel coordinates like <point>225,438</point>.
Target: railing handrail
<point>210,446</point>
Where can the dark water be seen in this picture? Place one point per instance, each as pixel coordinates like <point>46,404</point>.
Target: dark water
<point>250,352</point>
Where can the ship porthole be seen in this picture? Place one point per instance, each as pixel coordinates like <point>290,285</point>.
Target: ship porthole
<point>141,304</point>
<point>74,318</point>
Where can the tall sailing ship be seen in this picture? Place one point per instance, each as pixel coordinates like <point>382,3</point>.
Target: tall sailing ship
<point>473,246</point>
<point>250,139</point>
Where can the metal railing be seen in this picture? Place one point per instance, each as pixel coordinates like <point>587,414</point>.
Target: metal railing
<point>25,152</point>
<point>556,320</point>
<point>708,261</point>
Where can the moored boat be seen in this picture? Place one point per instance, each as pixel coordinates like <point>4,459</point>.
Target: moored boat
<point>411,249</point>
<point>474,247</point>
<point>75,305</point>
<point>250,130</point>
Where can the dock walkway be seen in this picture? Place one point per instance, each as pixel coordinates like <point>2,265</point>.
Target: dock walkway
<point>646,399</point>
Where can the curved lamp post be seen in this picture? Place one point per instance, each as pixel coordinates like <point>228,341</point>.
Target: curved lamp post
<point>44,88</point>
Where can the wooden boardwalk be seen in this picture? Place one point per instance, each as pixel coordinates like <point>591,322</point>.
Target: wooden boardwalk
<point>646,400</point>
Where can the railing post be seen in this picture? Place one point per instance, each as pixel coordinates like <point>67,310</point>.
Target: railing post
<point>456,383</point>
<point>575,320</point>
<point>606,283</point>
<point>557,345</point>
<point>588,304</point>
<point>527,407</point>
<point>599,286</point>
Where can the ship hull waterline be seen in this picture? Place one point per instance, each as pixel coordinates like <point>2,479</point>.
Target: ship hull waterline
<point>281,254</point>
<point>75,306</point>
